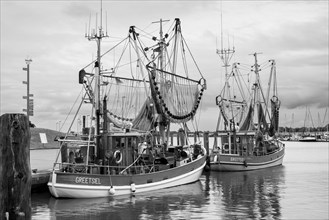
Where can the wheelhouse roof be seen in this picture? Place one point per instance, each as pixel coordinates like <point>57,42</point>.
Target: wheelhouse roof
<point>239,133</point>
<point>128,134</point>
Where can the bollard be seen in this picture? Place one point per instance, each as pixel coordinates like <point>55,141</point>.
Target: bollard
<point>15,169</point>
<point>206,145</point>
<point>206,141</point>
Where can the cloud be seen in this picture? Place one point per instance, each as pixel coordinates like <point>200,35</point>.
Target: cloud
<point>78,10</point>
<point>308,93</point>
<point>295,34</point>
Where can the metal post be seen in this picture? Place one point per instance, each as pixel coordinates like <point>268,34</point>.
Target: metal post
<point>28,95</point>
<point>123,98</point>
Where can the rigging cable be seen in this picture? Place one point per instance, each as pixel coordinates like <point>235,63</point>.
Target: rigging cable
<point>192,57</point>
<point>71,109</point>
<point>92,62</point>
<point>69,129</point>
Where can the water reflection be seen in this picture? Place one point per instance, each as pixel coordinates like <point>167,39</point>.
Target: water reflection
<point>297,190</point>
<point>163,204</point>
<point>238,195</point>
<point>248,195</point>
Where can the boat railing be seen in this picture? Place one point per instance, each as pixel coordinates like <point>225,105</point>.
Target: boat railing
<point>270,147</point>
<point>247,149</point>
<point>97,169</point>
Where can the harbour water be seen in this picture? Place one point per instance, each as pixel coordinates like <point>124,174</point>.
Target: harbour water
<point>296,190</point>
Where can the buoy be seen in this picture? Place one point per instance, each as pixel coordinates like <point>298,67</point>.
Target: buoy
<point>112,191</point>
<point>133,187</point>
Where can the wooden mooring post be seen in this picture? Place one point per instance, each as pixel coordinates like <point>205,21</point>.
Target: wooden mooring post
<point>206,141</point>
<point>206,145</point>
<point>15,169</point>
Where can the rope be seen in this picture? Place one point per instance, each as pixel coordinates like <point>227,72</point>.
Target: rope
<point>132,162</point>
<point>69,129</point>
<point>92,62</point>
<point>71,109</point>
<point>192,57</point>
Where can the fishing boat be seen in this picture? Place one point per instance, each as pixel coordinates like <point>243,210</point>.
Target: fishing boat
<point>137,92</point>
<point>246,132</point>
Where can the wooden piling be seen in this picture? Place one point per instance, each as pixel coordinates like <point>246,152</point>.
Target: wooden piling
<point>215,139</point>
<point>206,145</point>
<point>206,141</point>
<point>15,169</point>
<point>171,138</point>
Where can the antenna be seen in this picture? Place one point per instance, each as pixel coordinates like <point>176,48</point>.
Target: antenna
<point>97,32</point>
<point>221,25</point>
<point>96,23</point>
<point>86,30</point>
<point>224,54</point>
<point>89,25</point>
<point>106,22</point>
<point>101,12</point>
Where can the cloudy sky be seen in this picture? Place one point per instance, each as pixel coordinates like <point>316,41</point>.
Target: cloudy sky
<point>51,33</point>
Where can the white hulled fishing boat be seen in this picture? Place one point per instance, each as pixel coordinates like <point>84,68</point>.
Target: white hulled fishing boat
<point>246,133</point>
<point>127,148</point>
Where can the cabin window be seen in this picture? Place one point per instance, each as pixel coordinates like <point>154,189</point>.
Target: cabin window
<point>118,142</point>
<point>247,143</point>
<point>122,142</point>
<point>238,140</point>
<point>79,154</point>
<point>225,140</point>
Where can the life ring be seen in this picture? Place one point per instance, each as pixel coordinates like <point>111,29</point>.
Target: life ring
<point>116,154</point>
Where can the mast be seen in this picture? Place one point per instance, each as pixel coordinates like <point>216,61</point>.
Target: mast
<point>97,35</point>
<point>163,122</point>
<point>257,88</point>
<point>225,56</point>
<point>177,29</point>
<point>135,36</point>
<point>161,43</point>
<point>176,97</point>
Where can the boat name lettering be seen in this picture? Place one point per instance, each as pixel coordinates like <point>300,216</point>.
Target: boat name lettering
<point>87,180</point>
<point>237,159</point>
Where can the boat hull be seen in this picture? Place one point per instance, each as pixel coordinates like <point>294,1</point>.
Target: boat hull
<point>240,163</point>
<point>310,139</point>
<point>72,185</point>
<point>40,180</point>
